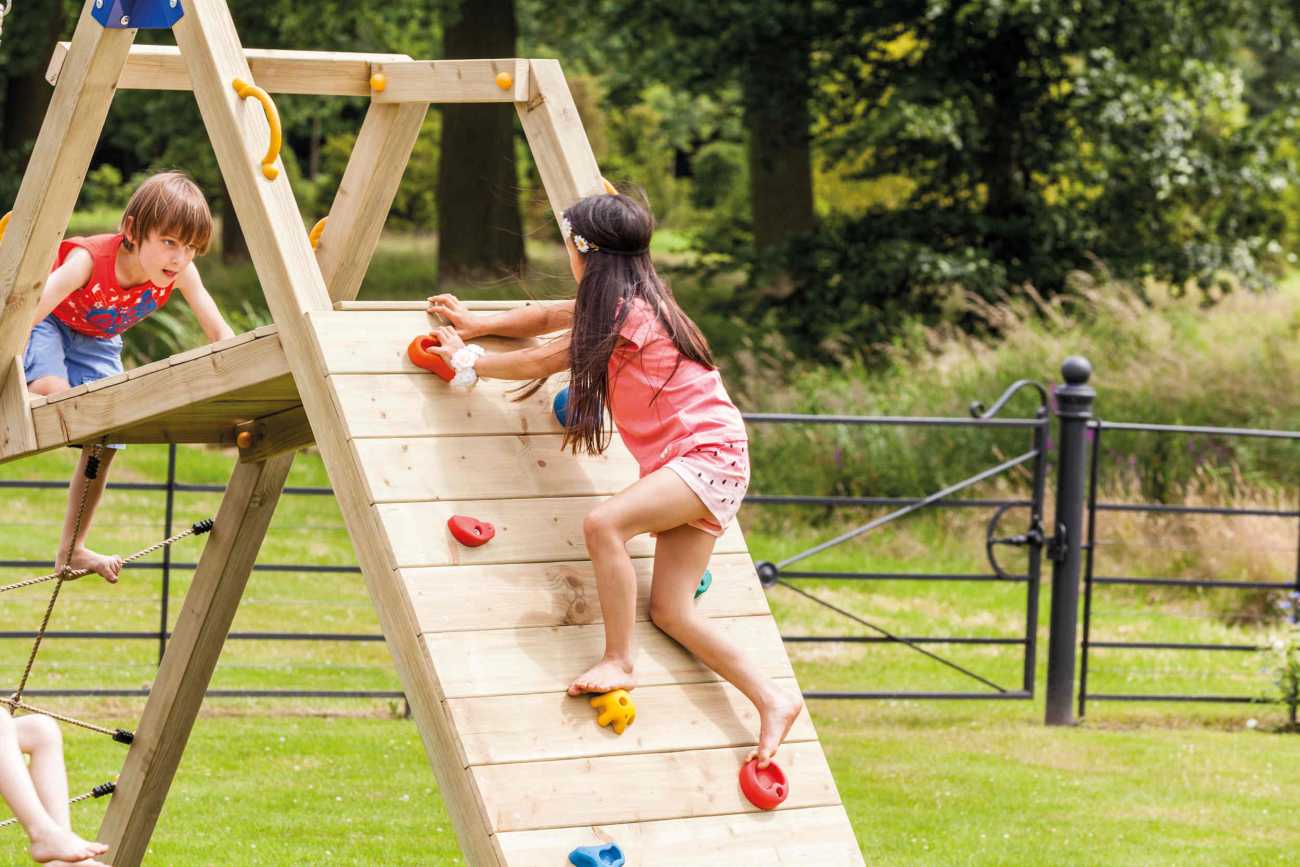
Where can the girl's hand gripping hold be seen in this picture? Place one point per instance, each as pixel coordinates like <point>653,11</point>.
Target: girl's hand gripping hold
<point>459,357</point>
<point>467,324</point>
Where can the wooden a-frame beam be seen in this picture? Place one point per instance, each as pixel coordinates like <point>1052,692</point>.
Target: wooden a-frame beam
<point>186,669</point>
<point>320,73</point>
<point>69,133</point>
<point>365,195</point>
<point>295,287</point>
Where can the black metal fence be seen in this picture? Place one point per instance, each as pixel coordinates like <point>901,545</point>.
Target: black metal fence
<point>1094,584</point>
<point>1070,545</point>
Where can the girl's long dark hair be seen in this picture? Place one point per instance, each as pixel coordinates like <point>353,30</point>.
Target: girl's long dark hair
<point>614,275</point>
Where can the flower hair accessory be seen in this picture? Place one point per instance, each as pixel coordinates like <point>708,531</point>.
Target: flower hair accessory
<point>583,245</point>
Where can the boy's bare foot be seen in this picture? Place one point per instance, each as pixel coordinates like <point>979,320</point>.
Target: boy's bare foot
<point>604,676</point>
<point>58,844</point>
<point>101,564</point>
<point>776,716</point>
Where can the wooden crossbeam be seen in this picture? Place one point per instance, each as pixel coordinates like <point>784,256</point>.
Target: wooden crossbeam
<point>322,73</point>
<point>556,136</point>
<point>17,434</point>
<point>186,669</point>
<point>446,81</point>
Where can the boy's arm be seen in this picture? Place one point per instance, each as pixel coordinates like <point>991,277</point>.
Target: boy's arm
<point>205,309</point>
<point>526,321</point>
<point>73,274</point>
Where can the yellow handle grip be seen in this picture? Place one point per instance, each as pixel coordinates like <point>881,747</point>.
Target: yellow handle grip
<point>316,231</point>
<point>4,224</point>
<point>245,90</point>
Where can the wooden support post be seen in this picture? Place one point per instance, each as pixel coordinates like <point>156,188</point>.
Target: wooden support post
<point>272,435</point>
<point>191,656</point>
<point>17,433</point>
<point>366,193</point>
<point>557,138</point>
<point>59,160</point>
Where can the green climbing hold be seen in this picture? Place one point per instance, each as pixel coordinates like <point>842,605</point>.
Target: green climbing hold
<point>705,581</point>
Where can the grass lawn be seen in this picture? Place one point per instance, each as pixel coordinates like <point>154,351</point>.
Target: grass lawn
<point>345,781</point>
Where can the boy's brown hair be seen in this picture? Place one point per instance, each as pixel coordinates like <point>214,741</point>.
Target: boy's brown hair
<point>169,203</point>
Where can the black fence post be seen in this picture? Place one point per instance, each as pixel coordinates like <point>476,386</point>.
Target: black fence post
<point>1074,409</point>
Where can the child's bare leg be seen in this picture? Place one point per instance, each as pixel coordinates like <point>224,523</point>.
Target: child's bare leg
<point>82,557</point>
<point>681,556</point>
<point>40,738</point>
<point>656,503</point>
<point>49,841</point>
<point>47,385</point>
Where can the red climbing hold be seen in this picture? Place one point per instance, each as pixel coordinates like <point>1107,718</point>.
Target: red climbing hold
<point>766,787</point>
<point>470,531</point>
<point>420,356</point>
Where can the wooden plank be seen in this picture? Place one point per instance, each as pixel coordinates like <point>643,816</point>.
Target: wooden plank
<point>323,73</point>
<point>550,726</point>
<point>79,415</point>
<point>642,788</point>
<point>512,595</point>
<point>17,434</point>
<point>146,369</point>
<point>293,285</point>
<point>420,404</point>
<point>441,81</point>
<point>215,422</point>
<point>365,195</point>
<point>52,180</point>
<point>811,836</point>
<point>192,652</point>
<point>527,531</point>
<point>421,305</point>
<point>68,394</point>
<point>504,467</point>
<point>557,139</point>
<point>276,433</point>
<point>377,342</point>
<point>106,382</point>
<point>519,661</point>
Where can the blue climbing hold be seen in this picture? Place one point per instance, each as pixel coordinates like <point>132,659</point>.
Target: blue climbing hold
<point>561,406</point>
<point>705,581</point>
<point>606,855</point>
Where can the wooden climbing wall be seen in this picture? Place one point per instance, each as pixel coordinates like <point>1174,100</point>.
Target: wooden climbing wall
<point>504,628</point>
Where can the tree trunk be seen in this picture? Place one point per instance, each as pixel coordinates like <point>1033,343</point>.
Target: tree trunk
<point>777,90</point>
<point>480,232</point>
<point>27,93</point>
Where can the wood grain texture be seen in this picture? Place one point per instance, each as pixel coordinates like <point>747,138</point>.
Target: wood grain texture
<point>803,837</point>
<point>641,788</point>
<point>519,661</point>
<point>443,81</point>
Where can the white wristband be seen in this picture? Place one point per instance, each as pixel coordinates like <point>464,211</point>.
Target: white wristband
<point>462,361</point>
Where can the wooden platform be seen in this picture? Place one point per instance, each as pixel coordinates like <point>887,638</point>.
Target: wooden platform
<point>505,627</point>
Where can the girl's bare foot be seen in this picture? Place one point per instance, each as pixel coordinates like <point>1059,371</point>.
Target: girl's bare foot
<point>604,676</point>
<point>776,715</point>
<point>57,844</point>
<point>89,862</point>
<point>107,566</point>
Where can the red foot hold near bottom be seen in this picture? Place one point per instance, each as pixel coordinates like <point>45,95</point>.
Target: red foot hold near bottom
<point>470,531</point>
<point>766,787</point>
<point>420,356</point>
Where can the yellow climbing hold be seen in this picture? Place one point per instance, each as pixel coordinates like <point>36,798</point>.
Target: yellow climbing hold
<point>616,709</point>
<point>4,223</point>
<point>505,80</point>
<point>378,82</point>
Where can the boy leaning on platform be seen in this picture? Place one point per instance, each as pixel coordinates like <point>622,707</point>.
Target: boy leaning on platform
<point>99,287</point>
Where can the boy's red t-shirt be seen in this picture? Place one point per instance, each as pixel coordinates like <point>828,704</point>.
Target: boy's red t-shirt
<point>102,308</point>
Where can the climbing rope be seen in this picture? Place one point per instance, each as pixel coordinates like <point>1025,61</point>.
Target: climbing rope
<point>198,528</point>
<point>98,792</point>
<point>122,736</point>
<point>15,701</point>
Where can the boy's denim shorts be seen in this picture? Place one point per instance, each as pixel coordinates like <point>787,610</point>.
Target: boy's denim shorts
<point>54,349</point>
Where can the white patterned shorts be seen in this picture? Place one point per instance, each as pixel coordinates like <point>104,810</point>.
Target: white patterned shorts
<point>719,476</point>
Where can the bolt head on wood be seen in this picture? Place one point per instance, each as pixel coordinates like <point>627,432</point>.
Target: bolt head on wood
<point>245,439</point>
<point>378,82</point>
<point>505,80</point>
